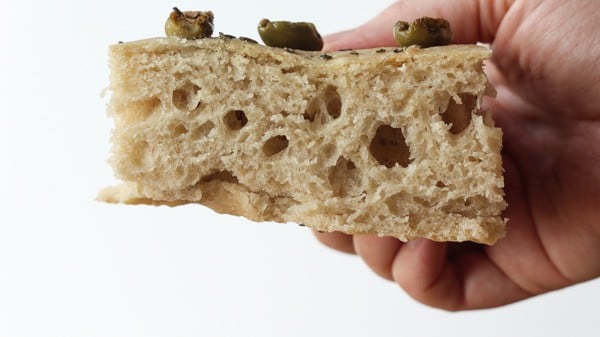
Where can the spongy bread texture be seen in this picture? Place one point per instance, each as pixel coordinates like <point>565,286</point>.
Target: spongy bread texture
<point>385,141</point>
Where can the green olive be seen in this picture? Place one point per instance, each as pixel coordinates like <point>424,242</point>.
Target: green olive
<point>295,35</point>
<point>189,25</point>
<point>424,32</point>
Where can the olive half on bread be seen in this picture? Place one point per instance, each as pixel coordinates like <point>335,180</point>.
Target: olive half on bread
<point>423,32</point>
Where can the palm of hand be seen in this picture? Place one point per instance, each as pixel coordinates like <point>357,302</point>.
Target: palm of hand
<point>547,106</point>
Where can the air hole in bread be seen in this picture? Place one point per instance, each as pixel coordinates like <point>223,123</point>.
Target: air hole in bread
<point>180,172</point>
<point>423,202</point>
<point>242,84</point>
<point>440,184</point>
<point>275,145</point>
<point>294,69</point>
<point>139,152</point>
<point>473,159</point>
<point>468,207</point>
<point>177,129</point>
<point>419,75</point>
<point>235,119</point>
<point>389,147</point>
<point>458,114</point>
<point>397,203</point>
<point>312,109</point>
<point>186,98</point>
<point>344,178</point>
<point>202,130</point>
<point>221,175</point>
<point>333,102</point>
<point>139,110</point>
<point>329,150</point>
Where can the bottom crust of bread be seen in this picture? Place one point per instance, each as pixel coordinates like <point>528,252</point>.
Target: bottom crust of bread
<point>230,198</point>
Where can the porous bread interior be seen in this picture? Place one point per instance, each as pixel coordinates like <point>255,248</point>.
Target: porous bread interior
<point>352,141</point>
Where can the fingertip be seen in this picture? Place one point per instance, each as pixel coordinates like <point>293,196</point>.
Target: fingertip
<point>357,38</point>
<point>418,264</point>
<point>378,253</point>
<point>333,41</point>
<point>336,240</point>
<point>420,268</point>
<point>377,32</point>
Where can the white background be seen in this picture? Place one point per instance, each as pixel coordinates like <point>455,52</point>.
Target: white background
<point>70,266</point>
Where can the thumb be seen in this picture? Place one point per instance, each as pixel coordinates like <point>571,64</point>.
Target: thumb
<point>471,21</point>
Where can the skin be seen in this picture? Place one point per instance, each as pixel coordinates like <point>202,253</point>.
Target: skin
<point>546,68</point>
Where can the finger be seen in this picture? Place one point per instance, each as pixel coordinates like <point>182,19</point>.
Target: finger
<point>418,268</point>
<point>377,252</point>
<point>471,21</point>
<point>337,241</point>
<point>495,76</point>
<point>465,281</point>
<point>533,270</point>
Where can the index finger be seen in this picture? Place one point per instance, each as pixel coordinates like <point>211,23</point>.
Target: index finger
<point>471,21</point>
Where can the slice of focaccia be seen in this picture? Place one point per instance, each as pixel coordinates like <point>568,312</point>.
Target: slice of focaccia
<point>386,141</point>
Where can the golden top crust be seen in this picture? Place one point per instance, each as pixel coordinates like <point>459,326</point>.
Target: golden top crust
<point>458,52</point>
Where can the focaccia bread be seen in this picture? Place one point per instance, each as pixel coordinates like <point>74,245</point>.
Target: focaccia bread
<point>386,141</point>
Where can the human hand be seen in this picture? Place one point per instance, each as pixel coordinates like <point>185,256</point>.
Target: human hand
<point>546,69</point>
